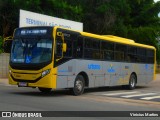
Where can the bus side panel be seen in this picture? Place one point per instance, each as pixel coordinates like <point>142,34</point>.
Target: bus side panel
<point>150,72</point>
<point>126,72</point>
<point>115,73</point>
<point>111,71</point>
<point>138,70</point>
<point>86,67</point>
<point>66,74</point>
<point>102,73</point>
<point>61,81</point>
<point>145,73</point>
<point>68,71</point>
<point>94,70</point>
<point>141,77</point>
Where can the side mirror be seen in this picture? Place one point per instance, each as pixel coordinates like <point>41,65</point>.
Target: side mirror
<point>7,45</point>
<point>64,45</point>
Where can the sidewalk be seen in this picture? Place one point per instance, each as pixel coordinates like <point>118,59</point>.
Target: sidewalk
<point>4,81</point>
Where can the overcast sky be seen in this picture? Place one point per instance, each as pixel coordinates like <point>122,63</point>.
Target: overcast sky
<point>156,0</point>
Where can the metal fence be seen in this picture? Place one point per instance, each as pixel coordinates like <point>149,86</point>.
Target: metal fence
<point>4,60</point>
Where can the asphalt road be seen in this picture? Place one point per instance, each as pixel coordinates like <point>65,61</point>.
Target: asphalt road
<point>13,98</point>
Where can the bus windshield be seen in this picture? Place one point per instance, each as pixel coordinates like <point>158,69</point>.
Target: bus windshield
<point>31,50</point>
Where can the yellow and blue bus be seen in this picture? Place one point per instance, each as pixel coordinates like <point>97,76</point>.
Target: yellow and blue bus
<point>56,58</point>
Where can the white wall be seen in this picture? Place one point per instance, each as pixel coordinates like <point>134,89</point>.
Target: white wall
<point>34,19</point>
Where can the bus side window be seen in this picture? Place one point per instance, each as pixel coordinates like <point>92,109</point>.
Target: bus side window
<point>150,56</point>
<point>59,47</point>
<point>132,54</point>
<point>69,48</point>
<point>141,54</point>
<point>120,52</point>
<point>92,48</point>
<point>79,49</point>
<point>107,49</point>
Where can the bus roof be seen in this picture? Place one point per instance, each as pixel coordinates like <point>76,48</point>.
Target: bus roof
<point>120,38</point>
<point>116,39</point>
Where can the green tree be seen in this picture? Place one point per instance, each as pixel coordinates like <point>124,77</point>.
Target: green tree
<point>134,19</point>
<point>145,23</point>
<point>106,16</point>
<point>8,17</point>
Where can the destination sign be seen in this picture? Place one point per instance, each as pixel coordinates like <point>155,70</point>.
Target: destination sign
<point>32,32</point>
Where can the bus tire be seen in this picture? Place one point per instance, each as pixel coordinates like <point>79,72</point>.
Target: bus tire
<point>132,82</point>
<point>45,90</point>
<point>79,85</point>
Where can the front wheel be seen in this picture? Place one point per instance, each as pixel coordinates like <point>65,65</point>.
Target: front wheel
<point>78,85</point>
<point>132,82</point>
<point>45,90</point>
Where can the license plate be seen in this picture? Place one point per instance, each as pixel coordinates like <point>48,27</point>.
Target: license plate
<point>22,84</point>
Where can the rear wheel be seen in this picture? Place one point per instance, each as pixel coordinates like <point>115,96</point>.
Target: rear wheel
<point>45,90</point>
<point>78,85</point>
<point>132,82</point>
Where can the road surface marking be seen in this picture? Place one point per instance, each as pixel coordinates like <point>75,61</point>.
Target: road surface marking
<point>137,95</point>
<point>150,98</point>
<point>119,93</point>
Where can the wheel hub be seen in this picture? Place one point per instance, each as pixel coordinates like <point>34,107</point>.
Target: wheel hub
<point>78,85</point>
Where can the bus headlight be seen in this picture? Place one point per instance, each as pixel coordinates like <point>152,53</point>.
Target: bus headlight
<point>10,71</point>
<point>44,73</point>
